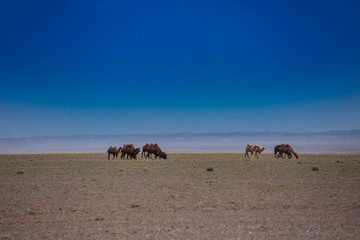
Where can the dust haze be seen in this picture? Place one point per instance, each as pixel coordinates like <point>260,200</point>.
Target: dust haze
<point>331,141</point>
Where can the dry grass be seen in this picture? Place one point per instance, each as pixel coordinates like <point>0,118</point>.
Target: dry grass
<point>65,195</point>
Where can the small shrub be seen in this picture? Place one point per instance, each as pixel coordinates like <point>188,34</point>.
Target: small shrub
<point>210,169</point>
<point>315,168</point>
<point>32,212</point>
<point>19,172</point>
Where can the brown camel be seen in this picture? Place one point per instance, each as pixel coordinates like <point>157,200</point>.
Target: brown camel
<point>146,148</point>
<point>127,150</point>
<point>153,149</point>
<point>113,151</point>
<point>288,150</point>
<point>276,150</point>
<point>132,153</point>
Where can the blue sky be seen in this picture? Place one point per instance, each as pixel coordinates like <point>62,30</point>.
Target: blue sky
<point>122,67</point>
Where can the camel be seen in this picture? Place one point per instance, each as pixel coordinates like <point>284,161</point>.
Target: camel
<point>114,151</point>
<point>129,151</point>
<point>286,149</point>
<point>132,153</point>
<point>250,148</point>
<point>276,150</point>
<point>259,150</point>
<point>146,149</point>
<point>153,149</point>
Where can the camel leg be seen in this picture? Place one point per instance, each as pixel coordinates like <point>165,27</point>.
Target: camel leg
<point>108,156</point>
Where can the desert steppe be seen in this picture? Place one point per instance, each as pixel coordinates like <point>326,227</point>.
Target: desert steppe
<point>87,196</point>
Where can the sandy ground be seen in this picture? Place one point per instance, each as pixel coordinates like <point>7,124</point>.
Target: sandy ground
<point>86,196</point>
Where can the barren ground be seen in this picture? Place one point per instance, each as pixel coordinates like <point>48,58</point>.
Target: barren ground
<point>86,196</point>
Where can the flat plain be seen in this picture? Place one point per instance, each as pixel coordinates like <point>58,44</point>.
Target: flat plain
<point>86,196</point>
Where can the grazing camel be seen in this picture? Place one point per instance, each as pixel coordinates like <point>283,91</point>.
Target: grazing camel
<point>153,149</point>
<point>286,149</point>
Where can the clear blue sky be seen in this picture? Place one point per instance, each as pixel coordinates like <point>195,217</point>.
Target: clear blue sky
<point>120,67</point>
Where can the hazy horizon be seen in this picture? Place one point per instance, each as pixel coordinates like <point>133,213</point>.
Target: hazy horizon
<point>138,67</point>
<point>333,141</point>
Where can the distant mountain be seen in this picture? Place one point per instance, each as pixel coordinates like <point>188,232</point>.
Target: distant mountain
<point>330,141</point>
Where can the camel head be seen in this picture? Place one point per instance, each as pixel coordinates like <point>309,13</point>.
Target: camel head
<point>163,155</point>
